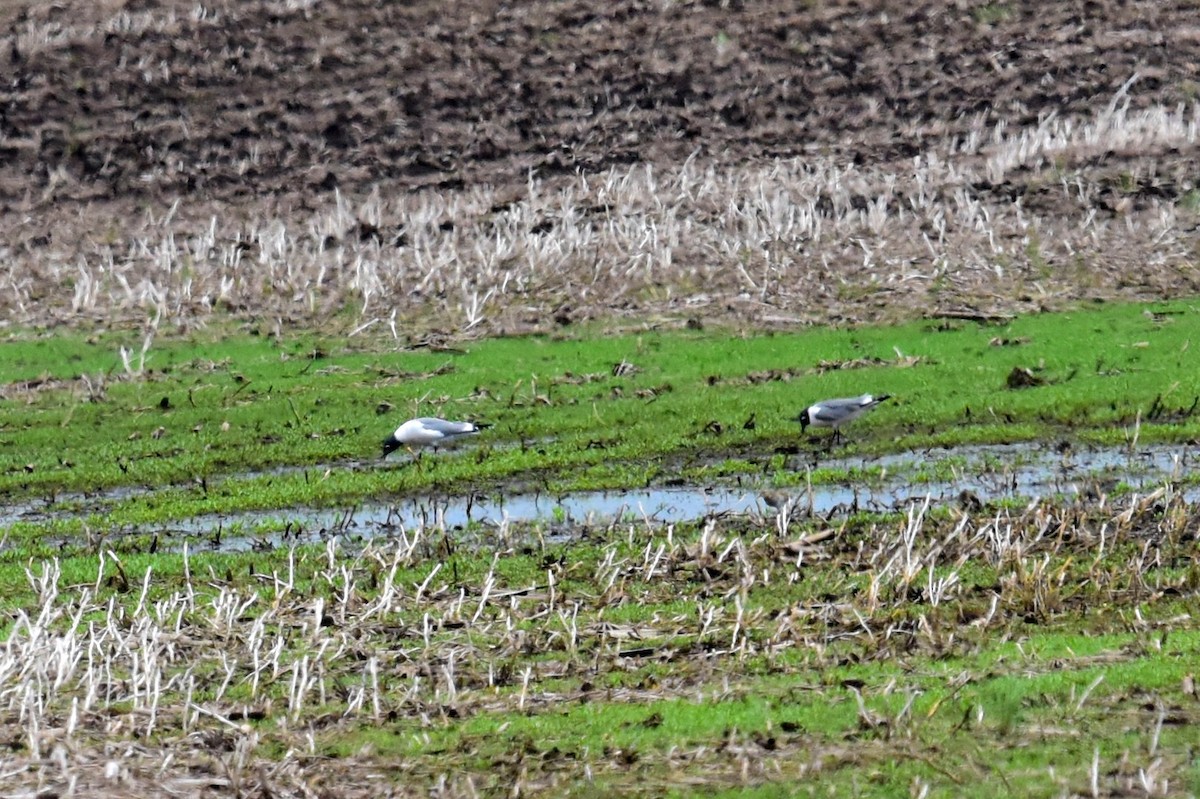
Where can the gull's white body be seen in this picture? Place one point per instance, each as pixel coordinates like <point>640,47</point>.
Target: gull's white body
<point>837,412</point>
<point>427,431</point>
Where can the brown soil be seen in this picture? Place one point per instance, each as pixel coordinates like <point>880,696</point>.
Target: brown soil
<point>111,109</point>
<point>354,94</point>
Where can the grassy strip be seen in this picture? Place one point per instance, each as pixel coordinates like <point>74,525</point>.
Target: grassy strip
<point>568,413</point>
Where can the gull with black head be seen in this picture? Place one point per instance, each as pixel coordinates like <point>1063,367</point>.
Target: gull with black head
<point>837,412</point>
<point>428,431</point>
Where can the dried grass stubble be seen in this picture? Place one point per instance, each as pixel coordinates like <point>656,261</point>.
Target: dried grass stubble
<point>257,676</point>
<point>979,222</point>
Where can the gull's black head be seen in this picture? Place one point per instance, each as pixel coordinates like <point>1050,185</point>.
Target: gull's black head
<point>390,443</point>
<point>803,420</point>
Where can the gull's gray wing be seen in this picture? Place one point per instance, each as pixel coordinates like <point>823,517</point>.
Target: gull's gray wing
<point>833,411</point>
<point>447,428</point>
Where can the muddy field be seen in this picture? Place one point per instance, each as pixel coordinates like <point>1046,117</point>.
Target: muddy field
<point>338,148</point>
<point>431,170</point>
<point>155,100</point>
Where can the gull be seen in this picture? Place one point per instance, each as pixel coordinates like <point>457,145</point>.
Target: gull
<point>837,412</point>
<point>428,431</point>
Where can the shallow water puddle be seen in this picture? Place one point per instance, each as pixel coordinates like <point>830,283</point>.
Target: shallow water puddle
<point>891,482</point>
<point>989,473</point>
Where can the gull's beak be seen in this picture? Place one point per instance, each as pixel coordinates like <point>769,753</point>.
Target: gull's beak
<point>389,444</point>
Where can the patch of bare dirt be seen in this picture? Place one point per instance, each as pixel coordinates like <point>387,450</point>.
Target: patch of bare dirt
<point>124,124</point>
<point>155,99</point>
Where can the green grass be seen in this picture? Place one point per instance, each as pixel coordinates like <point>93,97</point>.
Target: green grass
<point>572,667</point>
<point>214,416</point>
<point>992,13</point>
